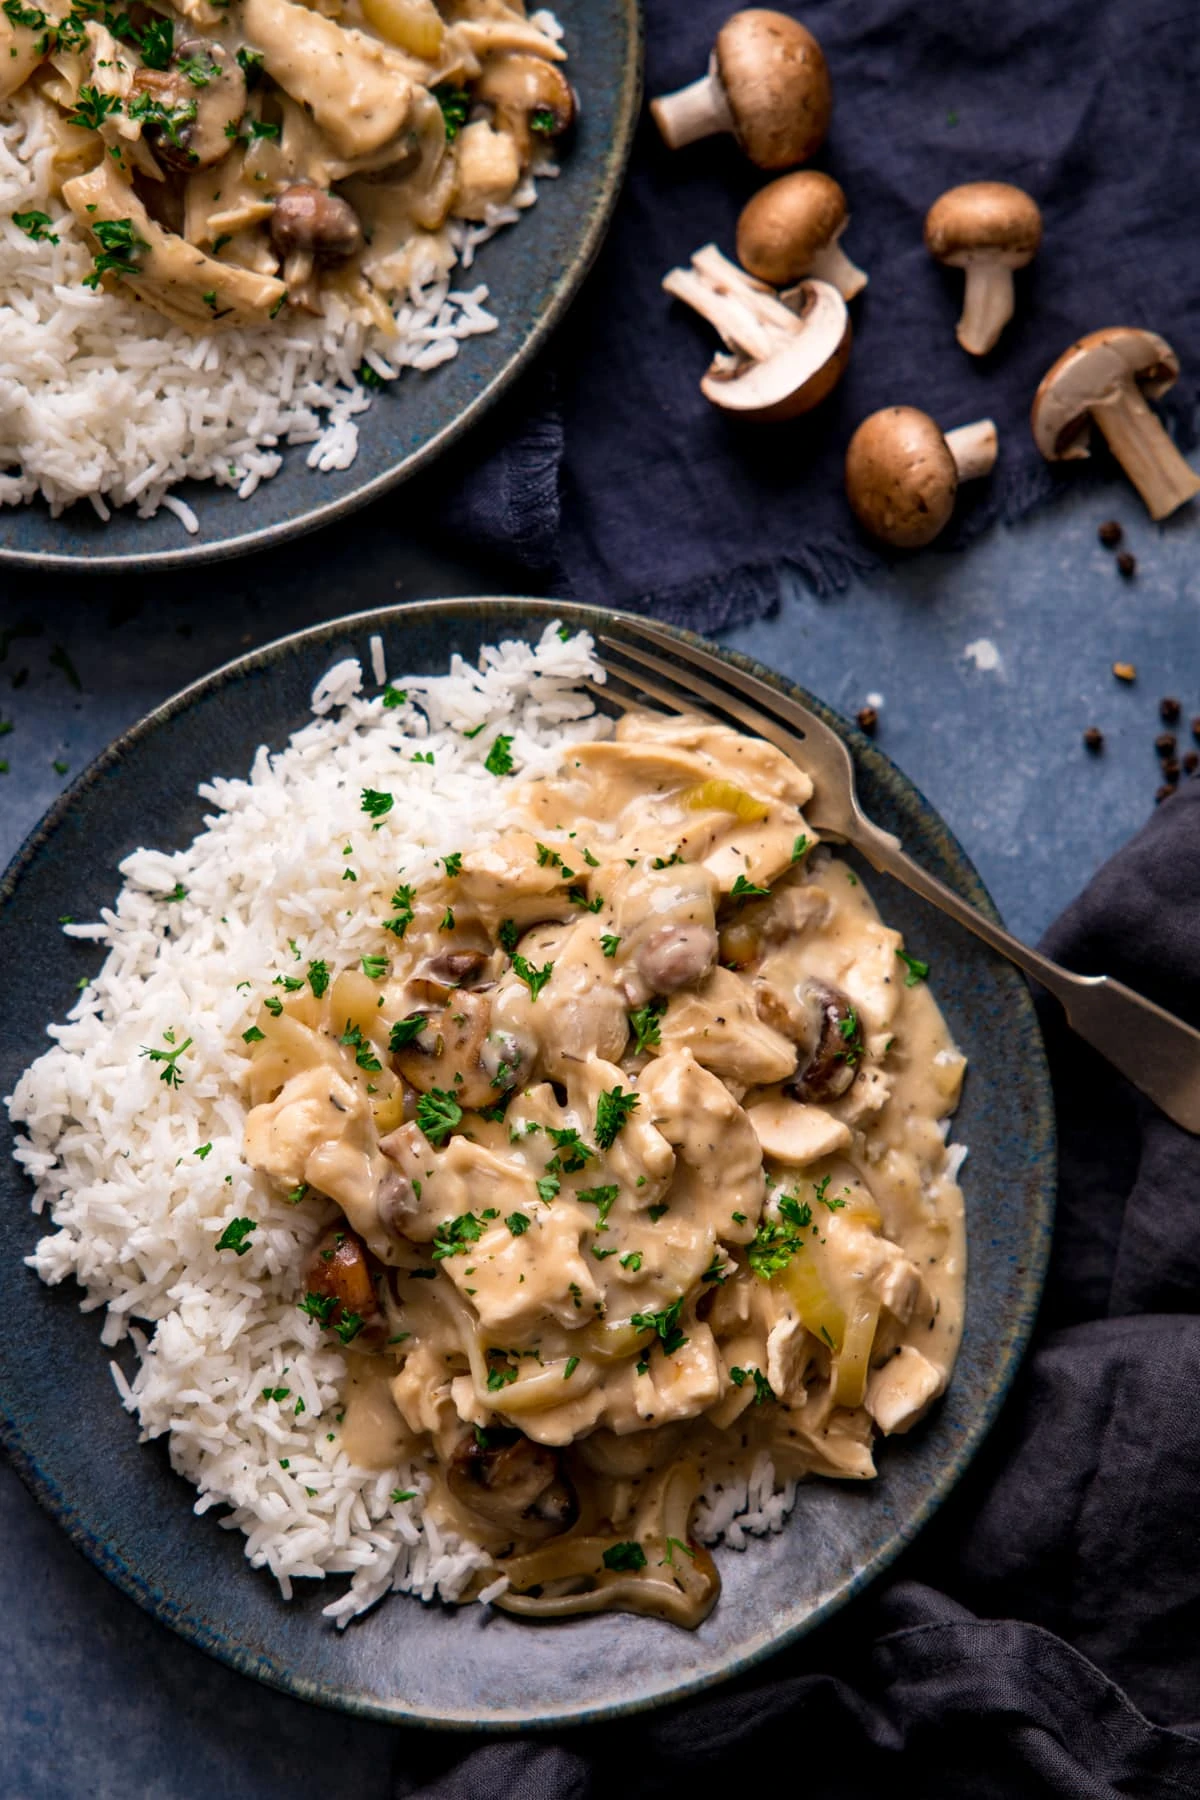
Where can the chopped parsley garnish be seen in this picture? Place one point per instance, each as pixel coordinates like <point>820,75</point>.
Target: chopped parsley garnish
<point>578,897</point>
<point>296,1194</point>
<point>500,1374</point>
<point>178,892</point>
<point>34,225</point>
<point>632,1261</point>
<point>318,976</point>
<point>602,1199</point>
<point>498,760</point>
<point>828,1339</point>
<point>375,967</point>
<point>548,1188</point>
<point>799,1212</point>
<point>550,859</point>
<point>572,1365</point>
<point>407,1031</point>
<point>393,696</point>
<point>613,1110</point>
<point>773,1248</point>
<point>400,1495</point>
<point>118,241</point>
<point>250,62</point>
<point>158,43</point>
<point>438,1112</point>
<point>918,971</point>
<point>643,1022</point>
<point>377,804</point>
<point>571,1153</point>
<point>318,1307</point>
<point>252,1036</point>
<point>170,120</point>
<point>364,1050</point>
<point>746,890</point>
<point>423,756</point>
<point>593,862</point>
<point>762,1387</point>
<point>534,979</point>
<point>674,1544</point>
<point>170,1071</point>
<point>453,863</point>
<point>717,1270</point>
<point>800,847</point>
<point>655,1213</point>
<point>455,103</point>
<point>666,862</point>
<point>851,1031</point>
<point>24,15</point>
<point>446,923</point>
<point>202,1150</point>
<point>666,1324</point>
<point>544,121</point>
<point>508,936</point>
<point>276,1393</point>
<point>402,901</point>
<point>608,943</point>
<point>347,1328</point>
<point>600,1254</point>
<point>517,1222</point>
<point>821,1190</point>
<point>235,1234</point>
<point>622,1557</point>
<point>198,70</point>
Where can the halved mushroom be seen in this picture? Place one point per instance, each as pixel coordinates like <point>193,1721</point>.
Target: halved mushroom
<point>338,1268</point>
<point>312,229</point>
<point>824,1026</point>
<point>767,83</point>
<point>792,228</point>
<point>531,99</point>
<point>676,955</point>
<point>451,1053</point>
<point>988,228</point>
<point>1101,381</point>
<point>189,109</point>
<point>786,353</point>
<point>514,1483</point>
<point>902,472</point>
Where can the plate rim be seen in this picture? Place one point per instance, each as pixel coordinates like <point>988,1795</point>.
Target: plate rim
<point>245,543</point>
<point>1009,1351</point>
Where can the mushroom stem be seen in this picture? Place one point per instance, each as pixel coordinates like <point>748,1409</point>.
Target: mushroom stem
<point>746,313</point>
<point>987,305</point>
<point>834,266</point>
<point>696,111</point>
<point>1136,438</point>
<point>973,448</point>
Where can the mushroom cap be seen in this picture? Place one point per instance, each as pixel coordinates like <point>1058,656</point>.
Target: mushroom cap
<point>800,374</point>
<point>1090,372</point>
<point>776,82</point>
<point>789,222</point>
<point>900,477</point>
<point>982,219</point>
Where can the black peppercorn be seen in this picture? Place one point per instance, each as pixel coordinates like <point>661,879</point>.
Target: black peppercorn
<point>1127,564</point>
<point>1110,534</point>
<point>1164,743</point>
<point>868,719</point>
<point>1093,738</point>
<point>1168,709</point>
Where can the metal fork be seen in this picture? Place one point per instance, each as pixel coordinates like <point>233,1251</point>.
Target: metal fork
<point>1157,1052</point>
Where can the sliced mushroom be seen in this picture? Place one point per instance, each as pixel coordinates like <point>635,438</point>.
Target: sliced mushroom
<point>792,228</point>
<point>531,99</point>
<point>395,1200</point>
<point>767,83</point>
<point>823,1025</point>
<point>988,228</point>
<point>450,1053</point>
<point>786,354</point>
<point>338,1267</point>
<point>1102,381</point>
<point>676,956</point>
<point>514,1483</point>
<point>902,472</point>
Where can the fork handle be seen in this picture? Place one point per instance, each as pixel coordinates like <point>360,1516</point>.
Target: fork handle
<point>1154,1050</point>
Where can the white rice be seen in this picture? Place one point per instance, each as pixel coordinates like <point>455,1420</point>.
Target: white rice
<point>103,400</point>
<point>113,1151</point>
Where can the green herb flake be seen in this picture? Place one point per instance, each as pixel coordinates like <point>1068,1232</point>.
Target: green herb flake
<point>613,1111</point>
<point>375,968</point>
<point>800,847</point>
<point>455,103</point>
<point>572,1365</point>
<point>665,1324</point>
<point>438,1113</point>
<point>602,1198</point>
<point>158,43</point>
<point>609,943</point>
<point>394,696</point>
<point>446,922</point>
<point>548,1187</point>
<point>347,1329</point>
<point>643,1022</point>
<point>918,971</point>
<point>35,225</point>
<point>235,1234</point>
<point>407,1031</point>
<point>517,1223</point>
<point>534,979</point>
<point>318,976</point>
<point>400,1495</point>
<point>508,936</point>
<point>377,804</point>
<point>253,1036</point>
<point>498,760</point>
<point>746,890</point>
<point>632,1261</point>
<point>402,902</point>
<point>625,1558</point>
<point>170,1071</point>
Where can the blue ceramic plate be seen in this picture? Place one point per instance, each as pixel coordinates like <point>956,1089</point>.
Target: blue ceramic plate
<point>120,1502</point>
<point>533,272</point>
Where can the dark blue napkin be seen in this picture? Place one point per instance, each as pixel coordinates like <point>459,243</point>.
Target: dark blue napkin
<point>668,505</point>
<point>1041,1641</point>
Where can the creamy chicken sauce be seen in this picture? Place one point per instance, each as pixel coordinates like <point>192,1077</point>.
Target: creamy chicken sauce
<point>230,158</point>
<point>642,1165</point>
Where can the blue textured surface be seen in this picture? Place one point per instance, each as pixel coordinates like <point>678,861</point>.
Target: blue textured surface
<point>101,1701</point>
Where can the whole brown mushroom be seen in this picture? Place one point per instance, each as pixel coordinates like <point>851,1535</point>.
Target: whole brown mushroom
<point>767,83</point>
<point>1102,381</point>
<point>988,228</point>
<point>902,472</point>
<point>792,227</point>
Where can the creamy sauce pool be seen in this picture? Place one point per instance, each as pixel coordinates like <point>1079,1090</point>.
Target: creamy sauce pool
<point>642,1165</point>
